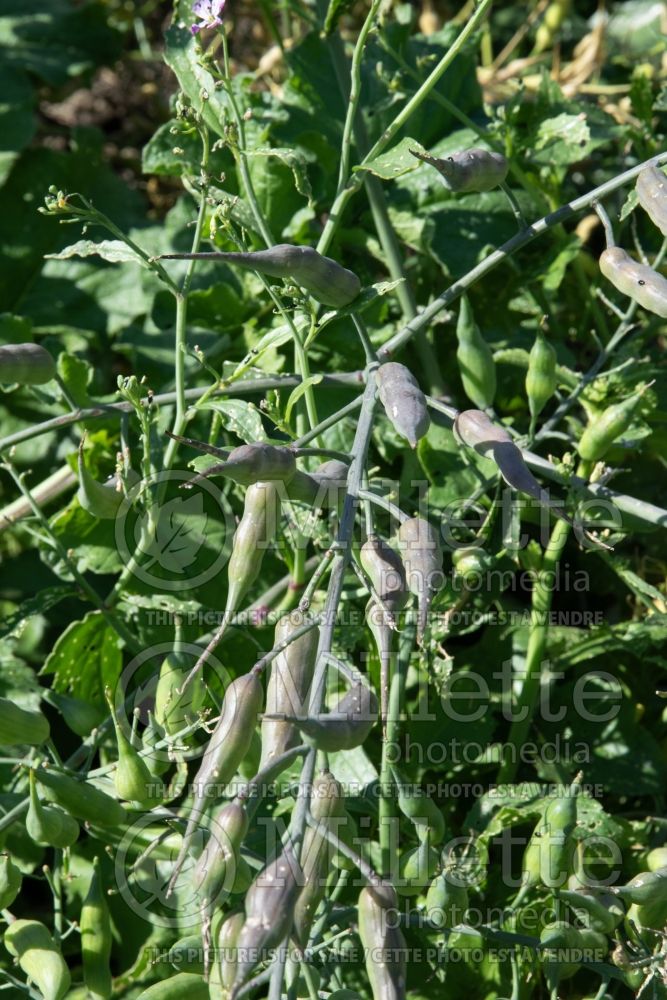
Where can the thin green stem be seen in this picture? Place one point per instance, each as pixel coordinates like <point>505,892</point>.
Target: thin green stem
<point>398,668</point>
<point>538,635</point>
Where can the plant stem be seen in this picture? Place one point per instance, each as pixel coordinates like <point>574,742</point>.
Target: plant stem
<point>387,805</point>
<point>542,597</point>
<point>517,241</point>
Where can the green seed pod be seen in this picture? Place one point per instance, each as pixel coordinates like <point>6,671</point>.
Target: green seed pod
<point>601,433</point>
<point>639,281</point>
<point>255,530</point>
<point>346,726</point>
<point>421,553</point>
<point>647,887</point>
<point>249,766</point>
<point>652,195</point>
<point>598,911</point>
<point>132,778</point>
<point>225,966</point>
<point>420,809</point>
<point>253,463</point>
<point>79,715</point>
<point>81,798</point>
<point>49,826</point>
<point>326,804</point>
<point>657,858</point>
<point>386,571</point>
<point>403,401</point>
<point>176,708</point>
<point>553,18</point>
<point>269,910</point>
<point>447,900</point>
<point>475,430</point>
<point>562,946</point>
<point>288,687</point>
<point>22,725</point>
<point>242,877</point>
<point>651,915</point>
<point>383,942</point>
<point>465,941</point>
<point>102,500</point>
<point>557,854</point>
<point>183,984</point>
<point>530,863</point>
<point>10,881</point>
<point>226,748</point>
<point>416,869</point>
<point>541,378</point>
<point>216,867</point>
<point>475,358</point>
<point>471,170</point>
<point>593,944</point>
<point>156,759</point>
<point>27,364</point>
<point>471,563</point>
<point>186,955</point>
<point>39,957</point>
<point>322,488</point>
<point>95,925</point>
<point>327,281</point>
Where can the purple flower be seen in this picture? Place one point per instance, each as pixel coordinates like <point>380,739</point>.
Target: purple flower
<point>209,13</point>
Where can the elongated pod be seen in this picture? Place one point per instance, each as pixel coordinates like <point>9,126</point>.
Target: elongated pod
<point>326,806</point>
<point>347,725</point>
<point>290,677</point>
<point>323,278</point>
<point>95,926</point>
<point>386,571</point>
<point>269,910</point>
<point>252,463</point>
<point>421,552</point>
<point>11,880</point>
<point>601,433</point>
<point>27,364</point>
<point>475,358</point>
<point>383,942</point>
<point>403,401</point>
<point>470,170</point>
<point>639,281</point>
<point>227,747</point>
<point>652,196</point>
<point>39,957</point>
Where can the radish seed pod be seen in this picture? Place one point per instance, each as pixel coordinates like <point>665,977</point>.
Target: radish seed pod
<point>254,463</point>
<point>601,433</point>
<point>11,880</point>
<point>541,378</point>
<point>471,170</point>
<point>447,901</point>
<point>326,806</point>
<point>639,281</point>
<point>27,364</point>
<point>346,726</point>
<point>652,195</point>
<point>95,926</point>
<point>39,957</point>
<point>475,358</point>
<point>383,942</point>
<point>81,798</point>
<point>421,552</point>
<point>386,571</point>
<point>288,687</point>
<point>403,401</point>
<point>255,530</point>
<point>49,826</point>
<point>216,865</point>
<point>22,725</point>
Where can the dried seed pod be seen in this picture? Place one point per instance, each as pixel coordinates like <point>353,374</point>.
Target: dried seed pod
<point>226,748</point>
<point>421,552</point>
<point>447,900</point>
<point>49,826</point>
<point>470,170</point>
<point>475,358</point>
<point>383,942</point>
<point>11,880</point>
<point>254,463</point>
<point>639,281</point>
<point>39,957</point>
<point>474,429</point>
<point>27,364</point>
<point>288,687</point>
<point>22,725</point>
<point>269,910</point>
<point>216,866</point>
<point>81,798</point>
<point>95,926</point>
<point>346,726</point>
<point>601,433</point>
<point>386,571</point>
<point>327,281</point>
<point>652,196</point>
<point>403,401</point>
<point>326,806</point>
<point>541,378</point>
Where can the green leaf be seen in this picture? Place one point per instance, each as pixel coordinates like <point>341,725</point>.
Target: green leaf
<point>85,659</point>
<point>298,392</point>
<point>240,417</point>
<point>76,374</point>
<point>40,604</point>
<point>183,56</point>
<point>395,161</point>
<point>115,251</point>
